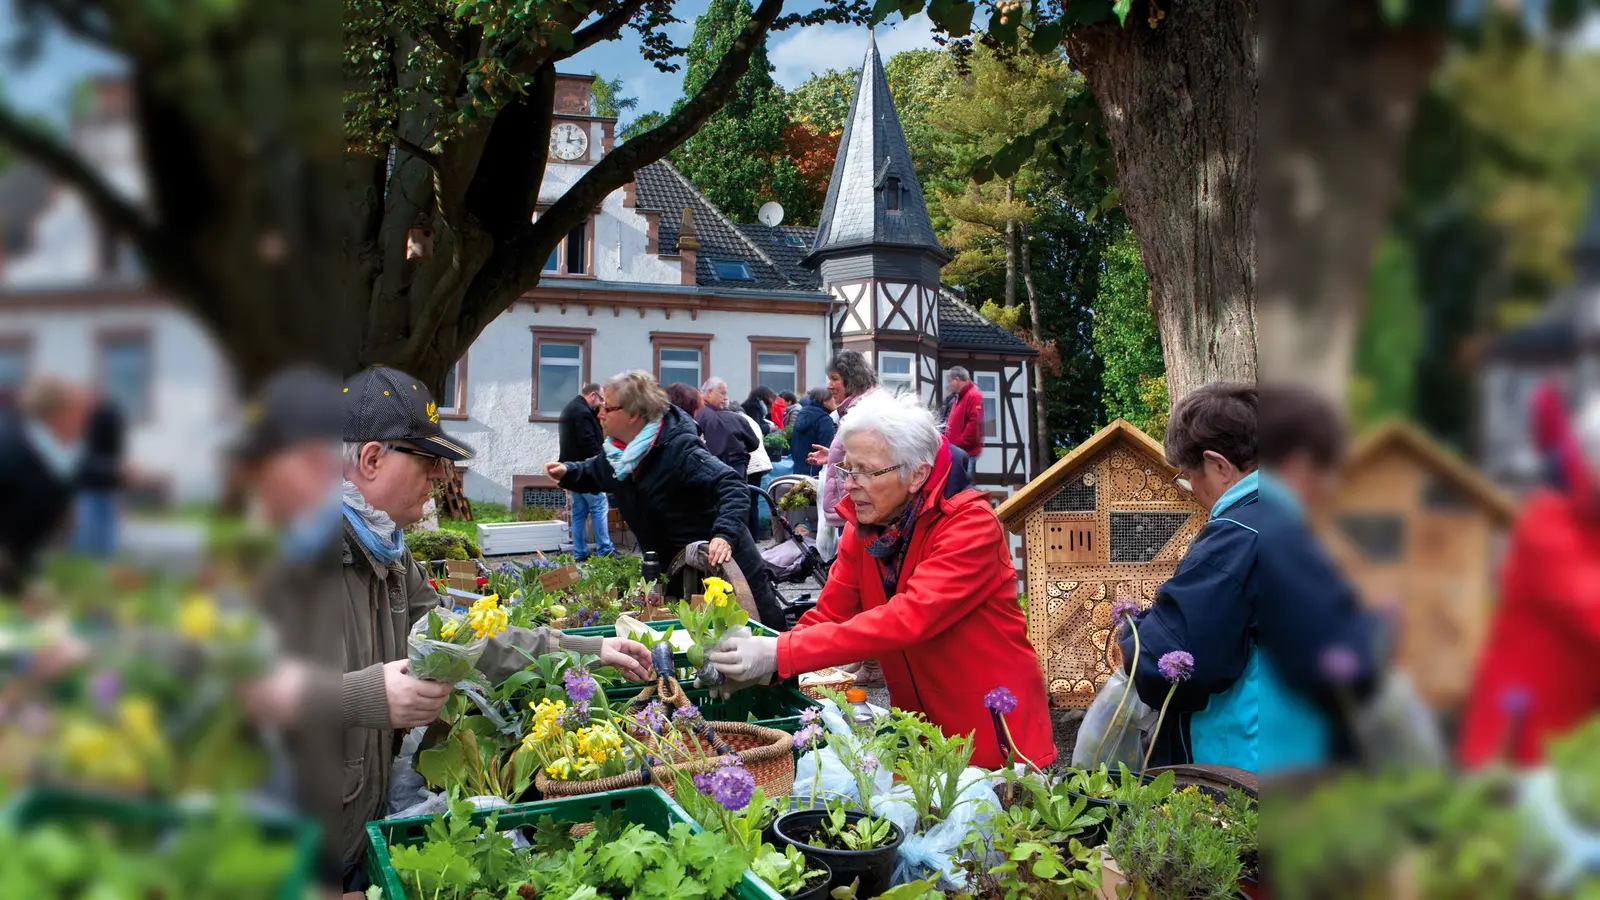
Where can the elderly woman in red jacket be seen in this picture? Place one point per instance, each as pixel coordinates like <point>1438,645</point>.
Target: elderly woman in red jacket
<point>924,583</point>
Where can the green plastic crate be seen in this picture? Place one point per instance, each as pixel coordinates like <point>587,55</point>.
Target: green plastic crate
<point>49,803</point>
<point>647,806</point>
<point>778,706</point>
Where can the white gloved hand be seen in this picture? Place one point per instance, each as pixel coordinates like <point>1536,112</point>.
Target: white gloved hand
<point>741,657</point>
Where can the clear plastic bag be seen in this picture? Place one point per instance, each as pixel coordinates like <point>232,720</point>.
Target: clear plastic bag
<point>1108,735</point>
<point>444,661</point>
<point>935,851</point>
<point>1576,850</point>
<point>1397,729</point>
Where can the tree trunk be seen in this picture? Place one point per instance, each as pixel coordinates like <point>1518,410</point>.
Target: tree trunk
<point>1179,103</point>
<point>1341,89</point>
<point>1041,421</point>
<point>1011,249</point>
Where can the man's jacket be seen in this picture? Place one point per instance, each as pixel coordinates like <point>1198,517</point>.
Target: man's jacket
<point>581,436</point>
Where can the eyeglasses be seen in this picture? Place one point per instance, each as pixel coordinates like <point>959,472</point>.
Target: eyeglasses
<point>609,408</point>
<point>433,458</point>
<point>862,478</point>
<point>1183,483</point>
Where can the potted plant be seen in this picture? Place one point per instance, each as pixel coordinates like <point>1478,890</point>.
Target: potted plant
<point>856,846</point>
<point>726,801</point>
<point>799,505</point>
<point>1114,792</point>
<point>1180,847</point>
<point>1035,847</point>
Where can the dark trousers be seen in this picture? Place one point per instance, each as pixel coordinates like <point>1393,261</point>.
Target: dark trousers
<point>755,503</point>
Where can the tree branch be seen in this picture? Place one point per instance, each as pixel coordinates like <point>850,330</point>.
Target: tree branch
<point>66,165</point>
<point>432,159</point>
<point>603,28</point>
<point>517,261</point>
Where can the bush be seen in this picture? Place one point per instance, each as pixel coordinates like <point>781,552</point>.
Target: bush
<point>441,544</point>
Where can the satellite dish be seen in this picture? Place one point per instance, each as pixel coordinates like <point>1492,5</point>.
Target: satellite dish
<point>771,213</point>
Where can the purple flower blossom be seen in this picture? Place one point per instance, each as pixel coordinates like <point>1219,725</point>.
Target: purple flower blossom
<point>702,783</point>
<point>806,736</point>
<point>1340,664</point>
<point>1176,666</point>
<point>811,715</point>
<point>1000,700</point>
<point>1123,611</point>
<point>653,718</point>
<point>104,689</point>
<point>581,686</point>
<point>732,786</point>
<point>869,763</point>
<point>686,712</point>
<point>576,716</point>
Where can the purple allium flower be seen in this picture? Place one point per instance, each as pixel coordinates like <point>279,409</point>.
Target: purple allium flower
<point>581,686</point>
<point>869,763</point>
<point>686,712</point>
<point>1122,611</point>
<point>1000,700</point>
<point>1340,664</point>
<point>732,786</point>
<point>1515,701</point>
<point>811,715</point>
<point>1176,666</point>
<point>806,735</point>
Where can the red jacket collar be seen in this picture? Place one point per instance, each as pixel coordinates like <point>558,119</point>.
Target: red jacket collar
<point>932,493</point>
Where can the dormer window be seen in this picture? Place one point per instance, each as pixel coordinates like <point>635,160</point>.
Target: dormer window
<point>732,270</point>
<point>891,194</point>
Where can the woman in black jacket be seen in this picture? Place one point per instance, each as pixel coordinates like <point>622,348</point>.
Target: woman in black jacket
<point>671,490</point>
<point>813,426</point>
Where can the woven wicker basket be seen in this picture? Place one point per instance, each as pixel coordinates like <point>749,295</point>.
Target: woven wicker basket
<point>831,679</point>
<point>767,753</point>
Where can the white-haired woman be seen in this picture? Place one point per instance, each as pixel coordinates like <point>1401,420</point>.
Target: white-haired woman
<point>923,583</point>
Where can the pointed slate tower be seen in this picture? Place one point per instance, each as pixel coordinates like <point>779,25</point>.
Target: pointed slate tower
<point>875,246</point>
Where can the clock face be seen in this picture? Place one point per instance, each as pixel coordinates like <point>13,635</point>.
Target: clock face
<point>567,141</point>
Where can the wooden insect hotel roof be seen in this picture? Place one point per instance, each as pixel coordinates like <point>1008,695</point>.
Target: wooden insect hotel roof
<point>1403,437</point>
<point>1014,512</point>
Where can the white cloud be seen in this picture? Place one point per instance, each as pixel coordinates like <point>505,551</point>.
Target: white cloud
<point>1588,35</point>
<point>804,52</point>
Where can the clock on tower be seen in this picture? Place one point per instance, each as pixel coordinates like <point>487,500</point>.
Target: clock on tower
<point>568,141</point>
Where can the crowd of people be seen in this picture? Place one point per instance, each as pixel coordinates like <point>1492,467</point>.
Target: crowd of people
<point>922,587</point>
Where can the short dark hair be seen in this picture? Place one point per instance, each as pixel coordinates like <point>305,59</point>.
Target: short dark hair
<point>788,396</point>
<point>1220,418</point>
<point>684,397</point>
<point>818,395</point>
<point>590,388</point>
<point>854,370</point>
<point>1300,420</point>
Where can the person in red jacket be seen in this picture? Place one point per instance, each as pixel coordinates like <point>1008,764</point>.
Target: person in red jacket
<point>964,425</point>
<point>923,583</point>
<point>1537,679</point>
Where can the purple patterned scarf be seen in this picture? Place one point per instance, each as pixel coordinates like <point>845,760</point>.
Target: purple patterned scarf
<point>888,544</point>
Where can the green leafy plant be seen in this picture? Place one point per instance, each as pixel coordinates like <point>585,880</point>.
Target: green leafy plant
<point>639,863</point>
<point>864,833</point>
<point>930,764</point>
<point>1576,766</point>
<point>455,857</point>
<point>776,442</point>
<point>787,872</point>
<point>1125,788</point>
<point>1175,849</point>
<point>430,545</point>
<point>799,497</point>
<point>1030,849</point>
<point>706,623</point>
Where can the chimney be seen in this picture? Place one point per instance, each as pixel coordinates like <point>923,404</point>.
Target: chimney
<point>574,95</point>
<point>688,245</point>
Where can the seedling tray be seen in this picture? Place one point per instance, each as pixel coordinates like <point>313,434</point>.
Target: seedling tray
<point>647,806</point>
<point>45,804</point>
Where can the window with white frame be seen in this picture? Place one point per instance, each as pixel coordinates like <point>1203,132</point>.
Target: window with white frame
<point>680,364</point>
<point>897,371</point>
<point>560,375</point>
<point>777,371</point>
<point>988,383</point>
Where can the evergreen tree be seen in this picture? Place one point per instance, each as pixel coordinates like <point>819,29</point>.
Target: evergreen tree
<point>1133,385</point>
<point>738,159</point>
<point>608,98</point>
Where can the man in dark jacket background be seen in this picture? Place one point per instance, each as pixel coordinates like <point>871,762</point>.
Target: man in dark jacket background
<point>724,430</point>
<point>670,488</point>
<point>581,438</point>
<point>99,480</point>
<point>41,447</point>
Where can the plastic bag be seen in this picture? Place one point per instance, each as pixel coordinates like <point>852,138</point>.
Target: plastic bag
<point>444,661</point>
<point>1117,732</point>
<point>834,781</point>
<point>933,852</point>
<point>1397,729</point>
<point>406,787</point>
<point>1576,850</point>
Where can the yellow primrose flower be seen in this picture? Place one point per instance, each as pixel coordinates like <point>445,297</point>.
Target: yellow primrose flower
<point>449,629</point>
<point>197,618</point>
<point>561,769</point>
<point>137,716</point>
<point>717,584</point>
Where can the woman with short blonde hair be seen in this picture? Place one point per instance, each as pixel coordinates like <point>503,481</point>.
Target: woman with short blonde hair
<point>638,393</point>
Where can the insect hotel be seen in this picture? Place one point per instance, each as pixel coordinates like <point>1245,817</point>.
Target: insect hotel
<point>1105,523</point>
<point>1417,527</point>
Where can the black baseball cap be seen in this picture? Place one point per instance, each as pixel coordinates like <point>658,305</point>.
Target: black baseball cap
<point>300,403</point>
<point>384,404</point>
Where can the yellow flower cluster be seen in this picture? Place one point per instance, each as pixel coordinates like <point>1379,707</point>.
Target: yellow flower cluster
<point>487,618</point>
<point>718,592</point>
<point>600,742</point>
<point>546,720</point>
<point>448,629</point>
<point>593,751</point>
<point>198,618</point>
<point>115,755</point>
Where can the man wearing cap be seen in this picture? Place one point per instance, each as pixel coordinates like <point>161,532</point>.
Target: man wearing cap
<point>393,452</point>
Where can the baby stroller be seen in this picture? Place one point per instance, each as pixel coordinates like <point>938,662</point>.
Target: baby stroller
<point>793,557</point>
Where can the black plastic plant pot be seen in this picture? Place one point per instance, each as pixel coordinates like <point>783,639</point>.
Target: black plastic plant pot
<point>819,886</point>
<point>872,867</point>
